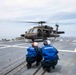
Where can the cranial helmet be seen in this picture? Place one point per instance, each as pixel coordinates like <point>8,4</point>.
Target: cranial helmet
<point>35,44</point>
<point>46,42</point>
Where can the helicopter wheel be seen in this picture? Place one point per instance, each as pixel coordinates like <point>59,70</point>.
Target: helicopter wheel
<point>33,40</point>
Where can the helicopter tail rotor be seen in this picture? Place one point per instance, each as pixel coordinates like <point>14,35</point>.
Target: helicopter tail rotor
<point>56,28</point>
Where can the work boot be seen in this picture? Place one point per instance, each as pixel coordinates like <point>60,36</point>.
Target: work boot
<point>43,68</point>
<point>37,63</point>
<point>48,70</point>
<point>53,67</point>
<point>28,66</point>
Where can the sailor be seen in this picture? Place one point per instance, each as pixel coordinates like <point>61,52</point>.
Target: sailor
<point>33,54</point>
<point>50,56</point>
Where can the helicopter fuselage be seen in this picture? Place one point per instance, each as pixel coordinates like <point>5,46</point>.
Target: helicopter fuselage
<point>41,32</point>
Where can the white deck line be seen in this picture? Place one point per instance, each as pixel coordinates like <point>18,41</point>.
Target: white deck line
<point>58,50</point>
<point>6,46</point>
<point>3,47</point>
<point>67,51</point>
<point>75,50</point>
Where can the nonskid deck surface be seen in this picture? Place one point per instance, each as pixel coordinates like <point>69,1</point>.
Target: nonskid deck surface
<point>12,58</point>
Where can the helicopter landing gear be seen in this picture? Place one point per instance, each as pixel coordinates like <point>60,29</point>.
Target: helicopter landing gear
<point>44,39</point>
<point>33,40</point>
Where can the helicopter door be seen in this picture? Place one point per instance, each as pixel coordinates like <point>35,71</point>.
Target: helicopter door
<point>39,34</point>
<point>47,33</point>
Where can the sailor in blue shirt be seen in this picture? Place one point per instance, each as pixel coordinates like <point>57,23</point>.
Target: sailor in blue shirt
<point>33,54</point>
<point>50,56</point>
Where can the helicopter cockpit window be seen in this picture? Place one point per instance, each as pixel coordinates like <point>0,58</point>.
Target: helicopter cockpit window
<point>33,30</point>
<point>28,31</point>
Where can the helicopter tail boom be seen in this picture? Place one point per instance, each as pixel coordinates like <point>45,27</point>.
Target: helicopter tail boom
<point>55,35</point>
<point>60,32</point>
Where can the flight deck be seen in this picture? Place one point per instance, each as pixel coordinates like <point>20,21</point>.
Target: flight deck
<point>13,58</point>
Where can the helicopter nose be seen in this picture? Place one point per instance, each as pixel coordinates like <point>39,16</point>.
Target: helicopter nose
<point>22,35</point>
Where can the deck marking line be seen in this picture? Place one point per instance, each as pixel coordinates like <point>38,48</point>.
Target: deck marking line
<point>66,51</point>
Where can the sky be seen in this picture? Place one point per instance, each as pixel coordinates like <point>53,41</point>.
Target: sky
<point>62,12</point>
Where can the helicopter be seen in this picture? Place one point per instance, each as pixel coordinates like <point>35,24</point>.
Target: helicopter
<point>41,31</point>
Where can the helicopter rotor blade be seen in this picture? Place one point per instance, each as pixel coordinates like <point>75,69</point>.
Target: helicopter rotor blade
<point>25,22</point>
<point>40,22</point>
<point>30,22</point>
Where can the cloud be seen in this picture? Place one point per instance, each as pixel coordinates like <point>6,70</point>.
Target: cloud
<point>35,10</point>
<point>12,9</point>
<point>63,16</point>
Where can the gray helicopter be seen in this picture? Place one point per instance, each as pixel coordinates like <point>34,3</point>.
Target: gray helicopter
<point>42,31</point>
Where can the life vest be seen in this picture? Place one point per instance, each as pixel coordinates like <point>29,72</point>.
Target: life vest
<point>31,52</point>
<point>49,53</point>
